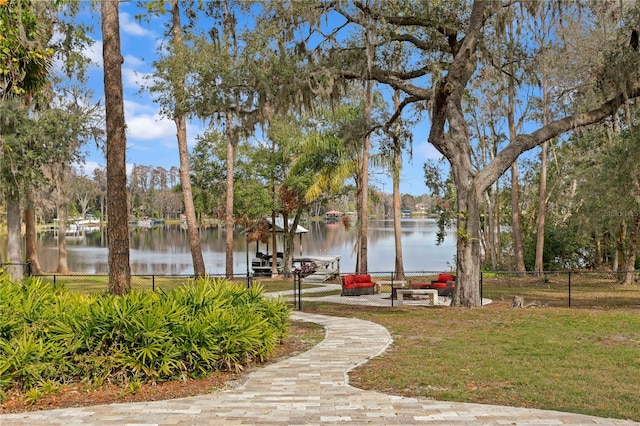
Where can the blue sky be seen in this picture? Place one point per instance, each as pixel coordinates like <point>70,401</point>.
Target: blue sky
<point>151,138</point>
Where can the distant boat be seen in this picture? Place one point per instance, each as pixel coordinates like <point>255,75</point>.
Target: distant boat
<point>76,231</point>
<point>77,226</point>
<point>149,222</point>
<point>89,221</point>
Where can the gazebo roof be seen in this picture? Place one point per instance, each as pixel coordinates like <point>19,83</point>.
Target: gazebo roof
<point>280,226</point>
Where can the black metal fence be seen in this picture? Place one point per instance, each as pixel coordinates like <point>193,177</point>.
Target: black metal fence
<point>23,268</point>
<point>373,289</point>
<point>575,289</point>
<point>86,283</point>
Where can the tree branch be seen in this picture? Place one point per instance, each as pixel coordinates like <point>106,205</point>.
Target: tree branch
<point>398,112</point>
<point>525,142</point>
<point>420,44</point>
<point>394,81</point>
<point>461,69</point>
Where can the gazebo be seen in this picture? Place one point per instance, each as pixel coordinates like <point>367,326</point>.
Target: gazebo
<point>262,263</point>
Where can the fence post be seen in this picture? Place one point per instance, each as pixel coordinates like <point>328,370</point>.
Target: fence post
<point>153,282</point>
<point>300,291</point>
<point>297,289</point>
<point>569,280</point>
<point>295,277</point>
<point>481,279</point>
<point>392,293</point>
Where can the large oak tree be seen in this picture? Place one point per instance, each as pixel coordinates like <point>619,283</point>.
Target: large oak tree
<point>444,43</point>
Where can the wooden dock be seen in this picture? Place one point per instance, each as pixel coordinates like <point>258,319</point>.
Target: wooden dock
<point>327,267</point>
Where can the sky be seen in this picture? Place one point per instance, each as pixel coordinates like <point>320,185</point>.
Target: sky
<point>151,139</point>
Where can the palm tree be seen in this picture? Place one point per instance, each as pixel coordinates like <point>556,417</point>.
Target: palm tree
<point>341,147</point>
<point>393,161</point>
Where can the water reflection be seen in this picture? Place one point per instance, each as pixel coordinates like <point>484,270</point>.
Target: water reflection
<point>165,249</point>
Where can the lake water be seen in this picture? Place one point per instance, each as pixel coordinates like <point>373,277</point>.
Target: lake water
<point>164,250</point>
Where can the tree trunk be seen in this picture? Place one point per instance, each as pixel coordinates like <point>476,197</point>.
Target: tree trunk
<point>397,227</point>
<point>397,214</point>
<point>597,242</point>
<point>542,197</point>
<point>103,213</point>
<point>117,226</point>
<point>364,195</point>
<point>14,237</point>
<point>63,221</point>
<point>516,230</point>
<point>493,239</point>
<point>187,197</point>
<point>183,150</point>
<point>467,291</point>
<point>449,133</point>
<point>228,216</point>
<point>30,235</point>
<point>228,31</point>
<point>359,218</point>
<point>274,243</point>
<point>364,212</point>
<point>289,244</point>
<point>518,250</point>
<point>632,249</point>
<point>542,211</point>
<point>493,236</point>
<point>619,257</point>
<point>362,262</point>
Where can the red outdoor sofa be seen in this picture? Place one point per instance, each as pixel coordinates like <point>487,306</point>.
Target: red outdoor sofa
<point>445,284</point>
<point>357,284</point>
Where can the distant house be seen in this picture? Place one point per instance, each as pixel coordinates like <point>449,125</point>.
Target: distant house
<point>422,207</point>
<point>332,216</point>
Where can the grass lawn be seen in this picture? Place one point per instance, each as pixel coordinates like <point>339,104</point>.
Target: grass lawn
<point>582,360</point>
<point>100,283</point>
<point>574,360</point>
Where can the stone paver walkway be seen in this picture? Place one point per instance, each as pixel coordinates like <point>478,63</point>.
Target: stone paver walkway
<point>309,389</point>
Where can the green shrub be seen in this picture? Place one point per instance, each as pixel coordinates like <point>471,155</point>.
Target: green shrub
<point>51,335</point>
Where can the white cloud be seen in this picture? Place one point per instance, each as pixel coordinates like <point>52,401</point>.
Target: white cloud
<point>132,108</point>
<point>150,127</point>
<point>87,168</point>
<point>128,25</point>
<point>132,61</point>
<point>426,151</point>
<point>133,79</point>
<point>94,53</point>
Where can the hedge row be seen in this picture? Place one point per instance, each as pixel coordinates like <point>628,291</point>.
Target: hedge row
<point>50,335</point>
